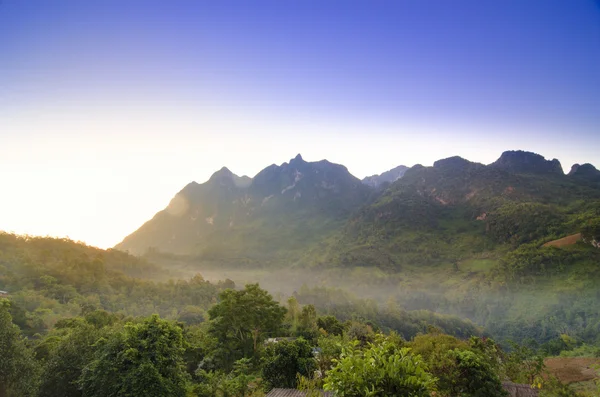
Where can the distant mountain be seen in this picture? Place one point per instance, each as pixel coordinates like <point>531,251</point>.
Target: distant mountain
<point>317,213</point>
<point>521,162</point>
<point>386,178</point>
<point>282,209</point>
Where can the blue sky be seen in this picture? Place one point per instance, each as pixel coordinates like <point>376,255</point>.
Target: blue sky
<point>107,108</point>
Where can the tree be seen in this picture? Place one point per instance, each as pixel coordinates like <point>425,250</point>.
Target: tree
<point>307,323</point>
<point>145,359</point>
<point>471,376</point>
<point>331,325</point>
<point>242,319</point>
<point>591,232</point>
<point>16,359</point>
<point>293,311</point>
<point>382,370</point>
<point>283,361</point>
<point>71,347</point>
<point>220,384</point>
<point>463,368</point>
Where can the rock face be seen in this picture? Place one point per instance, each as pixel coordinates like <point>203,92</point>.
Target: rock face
<point>520,162</point>
<point>390,176</point>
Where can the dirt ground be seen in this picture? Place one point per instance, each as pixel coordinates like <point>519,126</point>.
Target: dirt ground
<point>561,242</point>
<point>572,369</point>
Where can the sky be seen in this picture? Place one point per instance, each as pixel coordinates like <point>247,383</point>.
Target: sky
<point>109,107</point>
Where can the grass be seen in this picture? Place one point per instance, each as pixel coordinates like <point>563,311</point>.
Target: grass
<point>478,265</point>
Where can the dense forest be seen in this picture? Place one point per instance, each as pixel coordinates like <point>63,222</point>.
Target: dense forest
<point>87,322</point>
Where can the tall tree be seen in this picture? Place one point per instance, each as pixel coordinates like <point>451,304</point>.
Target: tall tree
<point>146,359</point>
<point>243,319</point>
<point>283,361</point>
<point>18,370</point>
<point>73,346</point>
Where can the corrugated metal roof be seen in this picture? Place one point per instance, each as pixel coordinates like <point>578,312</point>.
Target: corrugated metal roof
<point>293,393</point>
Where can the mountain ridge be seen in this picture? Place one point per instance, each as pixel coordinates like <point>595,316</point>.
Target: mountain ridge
<point>386,177</point>
<point>300,209</point>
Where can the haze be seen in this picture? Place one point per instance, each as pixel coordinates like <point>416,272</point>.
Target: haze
<point>108,108</point>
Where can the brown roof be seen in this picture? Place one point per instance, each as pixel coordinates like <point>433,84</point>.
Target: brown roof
<point>293,393</point>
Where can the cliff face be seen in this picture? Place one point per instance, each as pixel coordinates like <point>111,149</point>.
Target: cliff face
<point>387,177</point>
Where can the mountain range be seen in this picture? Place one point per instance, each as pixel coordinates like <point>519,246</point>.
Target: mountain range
<point>317,213</point>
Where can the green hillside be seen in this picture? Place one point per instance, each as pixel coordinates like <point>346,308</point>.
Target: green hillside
<point>458,209</point>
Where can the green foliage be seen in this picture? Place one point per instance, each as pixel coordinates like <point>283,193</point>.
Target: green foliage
<point>144,359</point>
<point>382,369</point>
<point>471,376</point>
<point>591,230</point>
<point>50,279</point>
<point>462,368</point>
<point>243,319</point>
<point>73,348</point>
<point>519,223</point>
<point>307,323</point>
<point>329,350</point>
<point>330,325</point>
<point>283,361</point>
<point>346,307</point>
<point>220,384</point>
<point>523,365</point>
<point>530,260</point>
<point>16,359</point>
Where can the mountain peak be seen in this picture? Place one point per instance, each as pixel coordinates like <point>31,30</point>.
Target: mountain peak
<point>520,161</point>
<point>221,174</point>
<point>297,159</point>
<point>574,169</point>
<point>585,171</point>
<point>454,162</point>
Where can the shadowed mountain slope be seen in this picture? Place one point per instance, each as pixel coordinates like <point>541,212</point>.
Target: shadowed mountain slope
<point>281,210</point>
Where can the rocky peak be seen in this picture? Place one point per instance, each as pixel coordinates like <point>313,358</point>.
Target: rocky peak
<point>574,169</point>
<point>455,162</point>
<point>297,160</point>
<point>386,177</point>
<point>224,177</point>
<point>586,171</point>
<point>222,173</point>
<point>519,161</point>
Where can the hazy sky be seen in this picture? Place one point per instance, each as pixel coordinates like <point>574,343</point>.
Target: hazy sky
<point>109,107</point>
